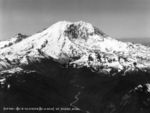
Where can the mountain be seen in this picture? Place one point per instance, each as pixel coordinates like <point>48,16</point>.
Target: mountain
<point>142,40</point>
<point>73,67</point>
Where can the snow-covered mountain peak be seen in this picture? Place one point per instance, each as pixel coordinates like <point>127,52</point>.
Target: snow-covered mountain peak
<point>74,43</point>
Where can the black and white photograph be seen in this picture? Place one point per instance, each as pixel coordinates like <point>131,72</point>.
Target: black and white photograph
<point>74,56</point>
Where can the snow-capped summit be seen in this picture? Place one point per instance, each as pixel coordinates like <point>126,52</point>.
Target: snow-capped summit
<point>75,43</point>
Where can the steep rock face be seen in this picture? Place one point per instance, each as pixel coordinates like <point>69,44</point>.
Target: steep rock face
<point>74,65</point>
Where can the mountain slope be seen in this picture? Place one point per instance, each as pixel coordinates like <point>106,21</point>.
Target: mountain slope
<point>74,65</point>
<point>77,43</point>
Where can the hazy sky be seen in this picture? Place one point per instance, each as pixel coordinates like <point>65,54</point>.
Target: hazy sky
<point>117,18</point>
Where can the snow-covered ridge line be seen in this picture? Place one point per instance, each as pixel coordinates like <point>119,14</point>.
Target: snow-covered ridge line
<point>19,37</point>
<point>78,44</point>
